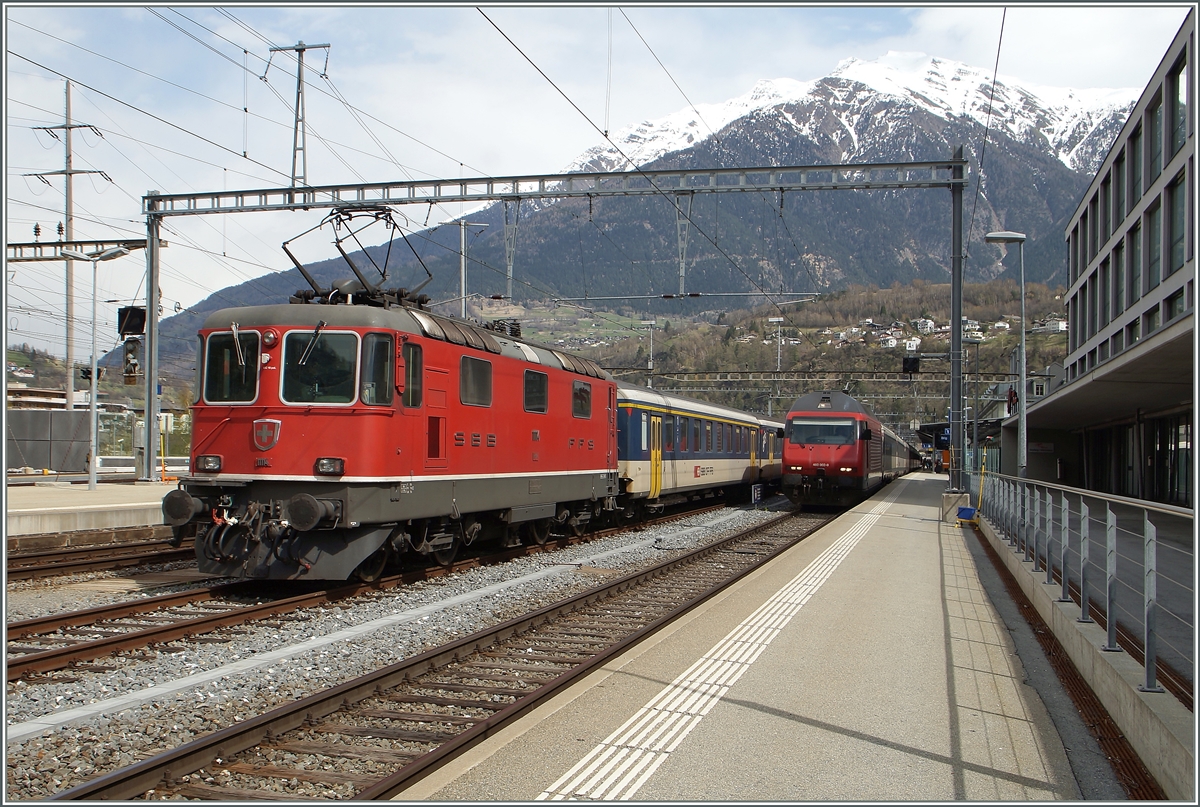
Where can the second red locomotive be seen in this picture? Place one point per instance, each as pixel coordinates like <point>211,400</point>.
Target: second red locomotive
<point>836,452</point>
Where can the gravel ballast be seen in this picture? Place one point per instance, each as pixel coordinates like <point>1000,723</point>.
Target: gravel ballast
<point>61,732</point>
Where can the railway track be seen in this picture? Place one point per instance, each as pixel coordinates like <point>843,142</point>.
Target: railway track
<point>99,557</point>
<point>370,738</point>
<point>58,641</point>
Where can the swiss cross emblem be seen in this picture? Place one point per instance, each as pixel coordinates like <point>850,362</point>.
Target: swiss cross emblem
<point>266,433</point>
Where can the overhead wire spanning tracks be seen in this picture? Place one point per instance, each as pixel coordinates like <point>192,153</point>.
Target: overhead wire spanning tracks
<point>824,376</point>
<point>872,176</point>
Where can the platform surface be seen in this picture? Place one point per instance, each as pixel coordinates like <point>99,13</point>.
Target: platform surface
<point>64,507</point>
<point>865,664</point>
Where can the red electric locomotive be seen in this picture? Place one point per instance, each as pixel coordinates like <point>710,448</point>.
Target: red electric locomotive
<point>835,452</point>
<point>328,439</point>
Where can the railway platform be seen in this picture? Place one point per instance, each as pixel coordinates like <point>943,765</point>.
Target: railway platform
<point>56,508</point>
<point>867,663</point>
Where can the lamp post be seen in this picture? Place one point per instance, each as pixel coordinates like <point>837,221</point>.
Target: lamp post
<point>1009,237</point>
<point>975,409</point>
<point>106,255</point>
<point>650,364</point>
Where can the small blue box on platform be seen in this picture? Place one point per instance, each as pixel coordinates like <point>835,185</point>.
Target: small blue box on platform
<point>966,514</point>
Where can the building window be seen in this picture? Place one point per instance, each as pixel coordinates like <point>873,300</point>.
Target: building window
<point>1105,209</point>
<point>1154,137</point>
<point>1084,220</point>
<point>537,391</point>
<point>1093,227</point>
<point>1135,167</point>
<point>1118,343</point>
<point>1153,248</point>
<point>1134,286</point>
<point>1073,253</point>
<point>1179,90</point>
<point>1151,321</point>
<point>475,382</point>
<point>1177,224</point>
<point>1091,306</point>
<point>1118,276</point>
<point>1174,305</point>
<point>1039,389</point>
<point>1104,293</point>
<point>1119,190</point>
<point>1133,332</point>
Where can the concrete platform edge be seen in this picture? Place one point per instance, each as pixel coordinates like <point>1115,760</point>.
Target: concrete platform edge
<point>1158,726</point>
<point>98,518</point>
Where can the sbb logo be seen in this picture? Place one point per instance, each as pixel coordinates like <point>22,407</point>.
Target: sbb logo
<point>703,470</point>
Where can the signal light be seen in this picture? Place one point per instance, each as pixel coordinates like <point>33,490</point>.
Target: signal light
<point>131,320</point>
<point>133,364</point>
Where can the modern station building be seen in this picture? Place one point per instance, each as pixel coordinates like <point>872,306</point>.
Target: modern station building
<point>1121,421</point>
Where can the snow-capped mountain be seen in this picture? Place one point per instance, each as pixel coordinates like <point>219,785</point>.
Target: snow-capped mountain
<point>1074,126</point>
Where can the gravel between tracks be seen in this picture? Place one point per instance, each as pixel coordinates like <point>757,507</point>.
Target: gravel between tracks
<point>42,765</point>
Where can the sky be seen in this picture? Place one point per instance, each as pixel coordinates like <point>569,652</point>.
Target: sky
<point>178,94</point>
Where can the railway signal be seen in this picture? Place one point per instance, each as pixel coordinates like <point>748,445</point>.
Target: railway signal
<point>132,364</point>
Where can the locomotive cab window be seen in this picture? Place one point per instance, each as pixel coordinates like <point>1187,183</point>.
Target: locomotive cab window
<point>581,399</point>
<point>231,371</point>
<point>319,367</point>
<point>537,391</point>
<point>413,375</point>
<point>475,382</point>
<point>376,385</point>
<point>828,431</point>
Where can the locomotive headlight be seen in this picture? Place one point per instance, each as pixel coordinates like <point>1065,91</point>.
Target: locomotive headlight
<point>845,470</point>
<point>269,338</point>
<point>331,466</point>
<point>211,463</point>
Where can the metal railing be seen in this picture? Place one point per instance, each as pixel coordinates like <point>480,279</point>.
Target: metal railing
<point>1129,562</point>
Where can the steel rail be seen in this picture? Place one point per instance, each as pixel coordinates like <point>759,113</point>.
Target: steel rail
<point>225,743</point>
<point>58,658</point>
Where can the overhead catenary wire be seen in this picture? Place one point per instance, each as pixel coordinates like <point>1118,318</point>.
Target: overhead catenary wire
<point>627,159</point>
<point>986,134</point>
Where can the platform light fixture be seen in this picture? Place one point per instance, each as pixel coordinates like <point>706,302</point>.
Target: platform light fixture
<point>106,255</point>
<point>1009,237</point>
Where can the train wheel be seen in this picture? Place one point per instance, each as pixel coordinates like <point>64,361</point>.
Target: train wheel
<point>445,557</point>
<point>372,568</point>
<point>576,526</point>
<point>538,531</point>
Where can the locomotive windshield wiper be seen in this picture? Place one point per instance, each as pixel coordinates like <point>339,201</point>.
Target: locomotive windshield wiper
<point>312,342</point>
<point>237,344</point>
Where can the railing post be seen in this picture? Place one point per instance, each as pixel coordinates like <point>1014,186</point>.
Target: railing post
<point>1150,595</point>
<point>1035,503</point>
<point>1064,545</point>
<point>1049,505</point>
<point>1026,509</point>
<point>1110,605</point>
<point>1084,545</point>
<point>1011,493</point>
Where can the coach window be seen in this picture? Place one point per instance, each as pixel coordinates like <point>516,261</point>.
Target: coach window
<point>668,427</point>
<point>319,367</point>
<point>413,375</point>
<point>645,431</point>
<point>581,399</point>
<point>683,434</point>
<point>720,433</point>
<point>475,382</point>
<point>231,372</point>
<point>708,440</point>
<point>537,391</point>
<point>375,385</point>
